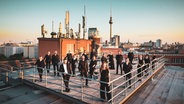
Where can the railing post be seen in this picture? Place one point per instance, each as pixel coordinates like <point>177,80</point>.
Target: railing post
<point>82,89</point>
<point>6,77</point>
<point>23,72</point>
<point>34,74</point>
<point>112,92</point>
<point>45,77</point>
<point>61,83</point>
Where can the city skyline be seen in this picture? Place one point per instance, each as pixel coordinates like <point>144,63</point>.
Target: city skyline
<point>135,20</point>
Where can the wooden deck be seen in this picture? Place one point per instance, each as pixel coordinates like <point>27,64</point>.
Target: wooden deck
<point>166,88</point>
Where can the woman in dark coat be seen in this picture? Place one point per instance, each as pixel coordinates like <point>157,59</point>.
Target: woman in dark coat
<point>92,66</point>
<point>127,67</point>
<point>104,58</point>
<point>139,66</point>
<point>40,66</point>
<point>105,74</point>
<point>147,62</point>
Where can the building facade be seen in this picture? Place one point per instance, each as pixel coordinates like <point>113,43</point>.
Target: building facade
<point>63,46</point>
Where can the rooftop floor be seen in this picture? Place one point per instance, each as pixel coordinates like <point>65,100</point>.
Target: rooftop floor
<point>166,88</point>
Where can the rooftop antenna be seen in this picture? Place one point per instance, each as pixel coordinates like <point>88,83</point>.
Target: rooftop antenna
<point>110,22</point>
<point>84,22</point>
<point>53,34</point>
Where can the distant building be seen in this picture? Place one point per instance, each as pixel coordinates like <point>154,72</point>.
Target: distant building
<point>116,40</point>
<point>92,32</point>
<point>30,51</point>
<point>9,49</point>
<point>158,43</point>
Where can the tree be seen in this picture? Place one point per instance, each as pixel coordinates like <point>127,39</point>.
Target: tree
<point>3,57</point>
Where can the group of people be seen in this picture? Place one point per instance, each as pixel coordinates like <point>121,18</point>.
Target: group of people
<point>70,63</point>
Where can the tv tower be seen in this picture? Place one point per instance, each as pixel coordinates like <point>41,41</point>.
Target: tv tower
<point>67,21</point>
<point>84,22</point>
<point>110,22</point>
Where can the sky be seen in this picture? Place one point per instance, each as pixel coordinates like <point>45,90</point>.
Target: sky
<point>133,20</point>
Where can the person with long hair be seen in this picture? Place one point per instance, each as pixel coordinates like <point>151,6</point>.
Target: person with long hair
<point>140,67</point>
<point>104,77</point>
<point>127,67</point>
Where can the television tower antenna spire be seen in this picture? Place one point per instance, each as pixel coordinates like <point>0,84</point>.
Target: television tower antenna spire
<point>110,22</point>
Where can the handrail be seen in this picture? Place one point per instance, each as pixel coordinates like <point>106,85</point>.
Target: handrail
<point>159,61</point>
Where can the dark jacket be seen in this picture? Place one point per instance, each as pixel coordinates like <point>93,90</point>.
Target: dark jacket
<point>69,56</point>
<point>48,58</point>
<point>103,59</point>
<point>131,55</point>
<point>93,64</point>
<point>140,62</point>
<point>147,60</point>
<point>104,75</point>
<point>127,68</point>
<point>119,58</point>
<point>111,57</point>
<point>55,59</point>
<point>69,68</point>
<point>83,66</point>
<point>40,64</point>
<point>73,62</point>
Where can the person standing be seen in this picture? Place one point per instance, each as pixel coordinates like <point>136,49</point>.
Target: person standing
<point>66,71</point>
<point>119,59</point>
<point>69,56</point>
<point>127,67</point>
<point>104,77</point>
<point>153,62</point>
<point>103,58</point>
<point>92,66</point>
<point>131,56</point>
<point>40,67</point>
<point>55,61</point>
<point>111,60</point>
<point>73,62</point>
<point>140,67</point>
<point>83,68</point>
<point>48,59</point>
<point>147,62</point>
<point>85,55</point>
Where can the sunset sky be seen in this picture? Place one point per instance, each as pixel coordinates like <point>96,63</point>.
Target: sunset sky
<point>136,20</point>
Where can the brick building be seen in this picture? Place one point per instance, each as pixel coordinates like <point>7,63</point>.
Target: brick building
<point>63,45</point>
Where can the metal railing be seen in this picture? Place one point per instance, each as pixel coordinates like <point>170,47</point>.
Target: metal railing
<point>119,86</point>
<point>119,93</point>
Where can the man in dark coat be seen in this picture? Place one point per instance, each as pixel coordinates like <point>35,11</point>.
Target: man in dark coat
<point>47,59</point>
<point>55,61</point>
<point>83,68</point>
<point>131,56</point>
<point>119,59</point>
<point>66,72</point>
<point>111,60</point>
<point>40,66</point>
